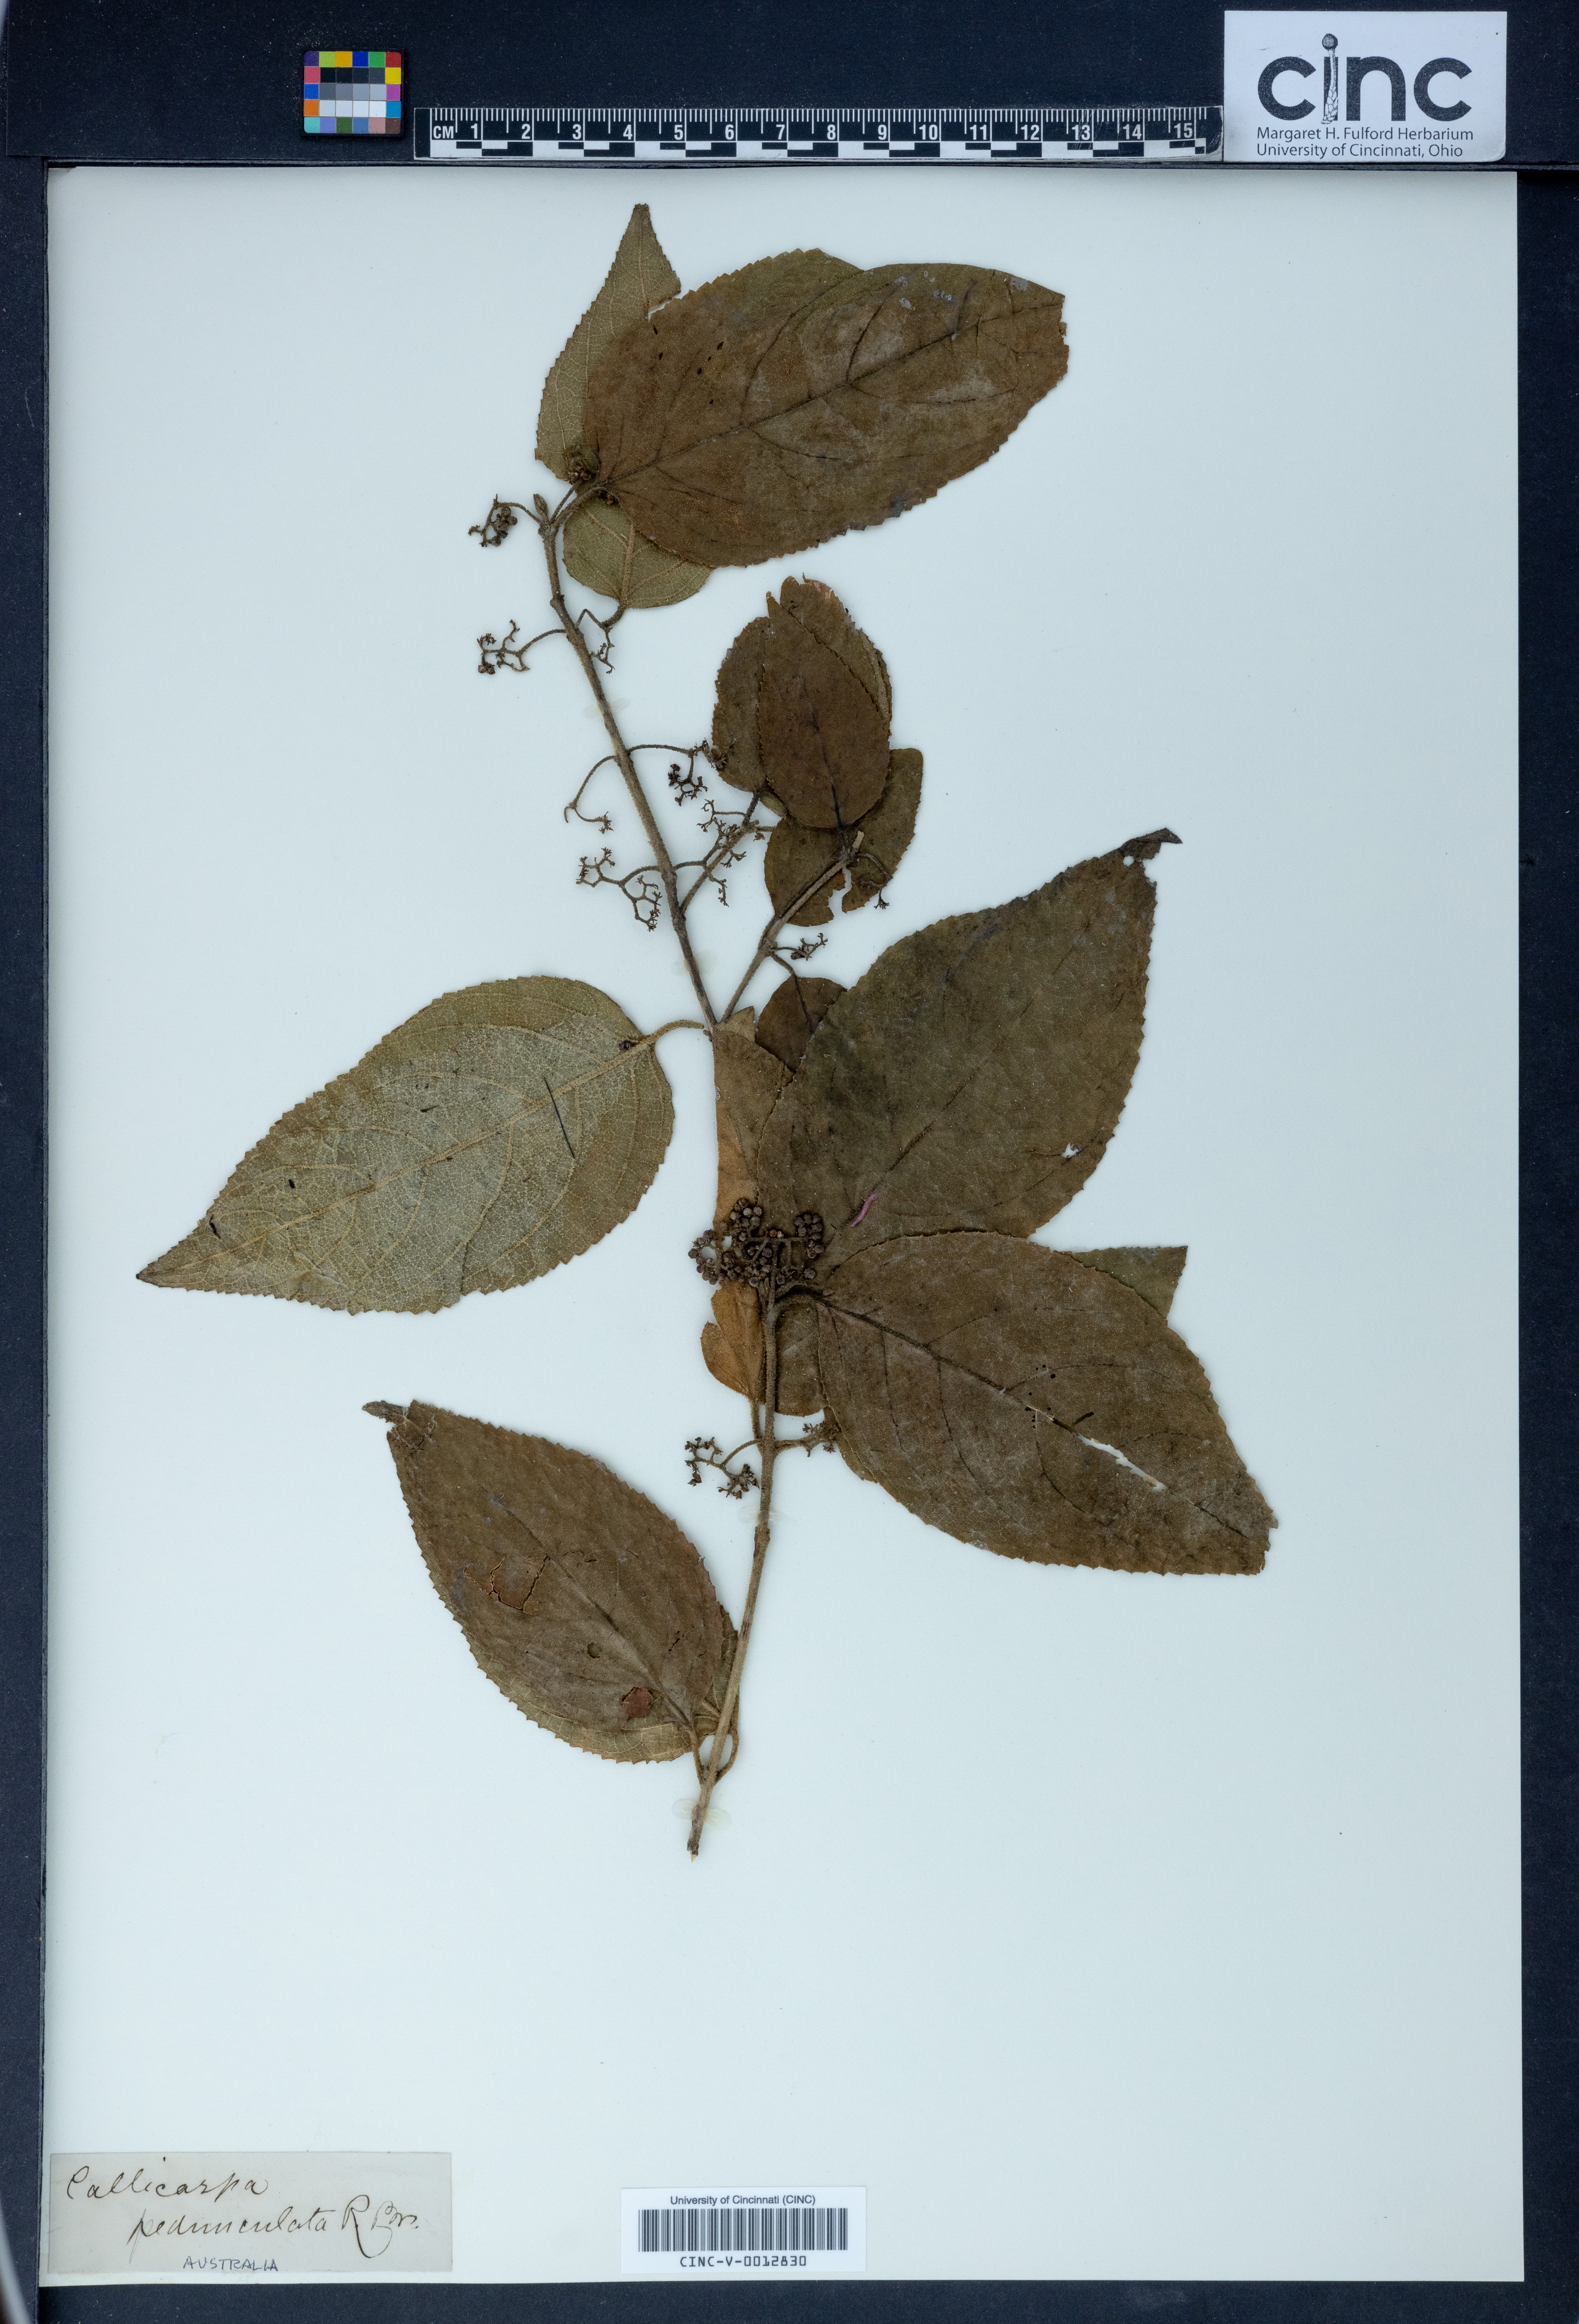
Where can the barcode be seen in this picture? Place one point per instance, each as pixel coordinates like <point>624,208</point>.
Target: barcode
<point>681,2231</point>
<point>748,2229</point>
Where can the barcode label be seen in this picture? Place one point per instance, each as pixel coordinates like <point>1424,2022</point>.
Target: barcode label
<point>744,2231</point>
<point>753,2228</point>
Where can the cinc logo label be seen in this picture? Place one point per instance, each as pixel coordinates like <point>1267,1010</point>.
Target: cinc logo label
<point>1337,86</point>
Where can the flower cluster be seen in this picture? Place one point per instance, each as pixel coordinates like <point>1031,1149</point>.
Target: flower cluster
<point>706,1453</point>
<point>768,1258</point>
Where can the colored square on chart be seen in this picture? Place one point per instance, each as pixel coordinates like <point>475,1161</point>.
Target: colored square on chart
<point>352,93</point>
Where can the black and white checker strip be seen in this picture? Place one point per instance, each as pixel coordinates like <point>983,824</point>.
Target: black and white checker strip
<point>1141,132</point>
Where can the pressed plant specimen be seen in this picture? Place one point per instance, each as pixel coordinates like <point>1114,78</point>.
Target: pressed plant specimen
<point>885,1153</point>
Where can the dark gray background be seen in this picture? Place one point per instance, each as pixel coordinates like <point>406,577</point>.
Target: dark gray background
<point>133,80</point>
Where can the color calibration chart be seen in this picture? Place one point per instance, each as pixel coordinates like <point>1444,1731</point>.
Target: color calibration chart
<point>351,92</point>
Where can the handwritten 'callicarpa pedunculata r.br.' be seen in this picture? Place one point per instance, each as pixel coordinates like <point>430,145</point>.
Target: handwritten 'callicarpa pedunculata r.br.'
<point>884,1152</point>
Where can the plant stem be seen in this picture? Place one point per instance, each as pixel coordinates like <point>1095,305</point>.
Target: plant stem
<point>674,1025</point>
<point>716,1765</point>
<point>758,1557</point>
<point>780,921</point>
<point>627,767</point>
<point>747,823</point>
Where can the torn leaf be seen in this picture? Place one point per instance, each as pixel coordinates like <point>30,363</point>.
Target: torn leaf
<point>974,1074</point>
<point>1037,1407</point>
<point>492,1135</point>
<point>584,1603</point>
<point>797,859</point>
<point>802,397</point>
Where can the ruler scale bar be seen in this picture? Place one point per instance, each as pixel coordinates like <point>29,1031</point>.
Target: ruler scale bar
<point>1139,133</point>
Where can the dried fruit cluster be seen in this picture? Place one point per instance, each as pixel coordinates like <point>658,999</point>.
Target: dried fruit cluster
<point>747,1250</point>
<point>884,1152</point>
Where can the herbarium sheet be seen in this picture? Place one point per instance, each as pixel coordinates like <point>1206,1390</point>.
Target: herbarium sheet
<point>1046,644</point>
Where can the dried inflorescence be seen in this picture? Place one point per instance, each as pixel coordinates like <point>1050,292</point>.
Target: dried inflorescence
<point>501,653</point>
<point>705,1452</point>
<point>497,524</point>
<point>640,889</point>
<point>770,1258</point>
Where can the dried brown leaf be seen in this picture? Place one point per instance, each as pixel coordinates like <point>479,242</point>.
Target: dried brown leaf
<point>735,713</point>
<point>640,279</point>
<point>603,551</point>
<point>798,858</point>
<point>1020,1400</point>
<point>748,1079</point>
<point>747,1084</point>
<point>974,1074</point>
<point>602,548</point>
<point>803,709</point>
<point>823,744</point>
<point>490,1138</point>
<point>1153,1269</point>
<point>734,1352</point>
<point>801,397</point>
<point>815,607</point>
<point>583,1602</point>
<point>726,1349</point>
<point>792,1015</point>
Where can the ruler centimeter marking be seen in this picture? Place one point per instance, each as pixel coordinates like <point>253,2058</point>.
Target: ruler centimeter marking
<point>1075,132</point>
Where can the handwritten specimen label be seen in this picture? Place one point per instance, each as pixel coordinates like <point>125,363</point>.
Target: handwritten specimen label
<point>234,2213</point>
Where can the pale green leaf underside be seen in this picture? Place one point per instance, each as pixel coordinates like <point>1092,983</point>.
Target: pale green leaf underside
<point>492,1135</point>
<point>603,551</point>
